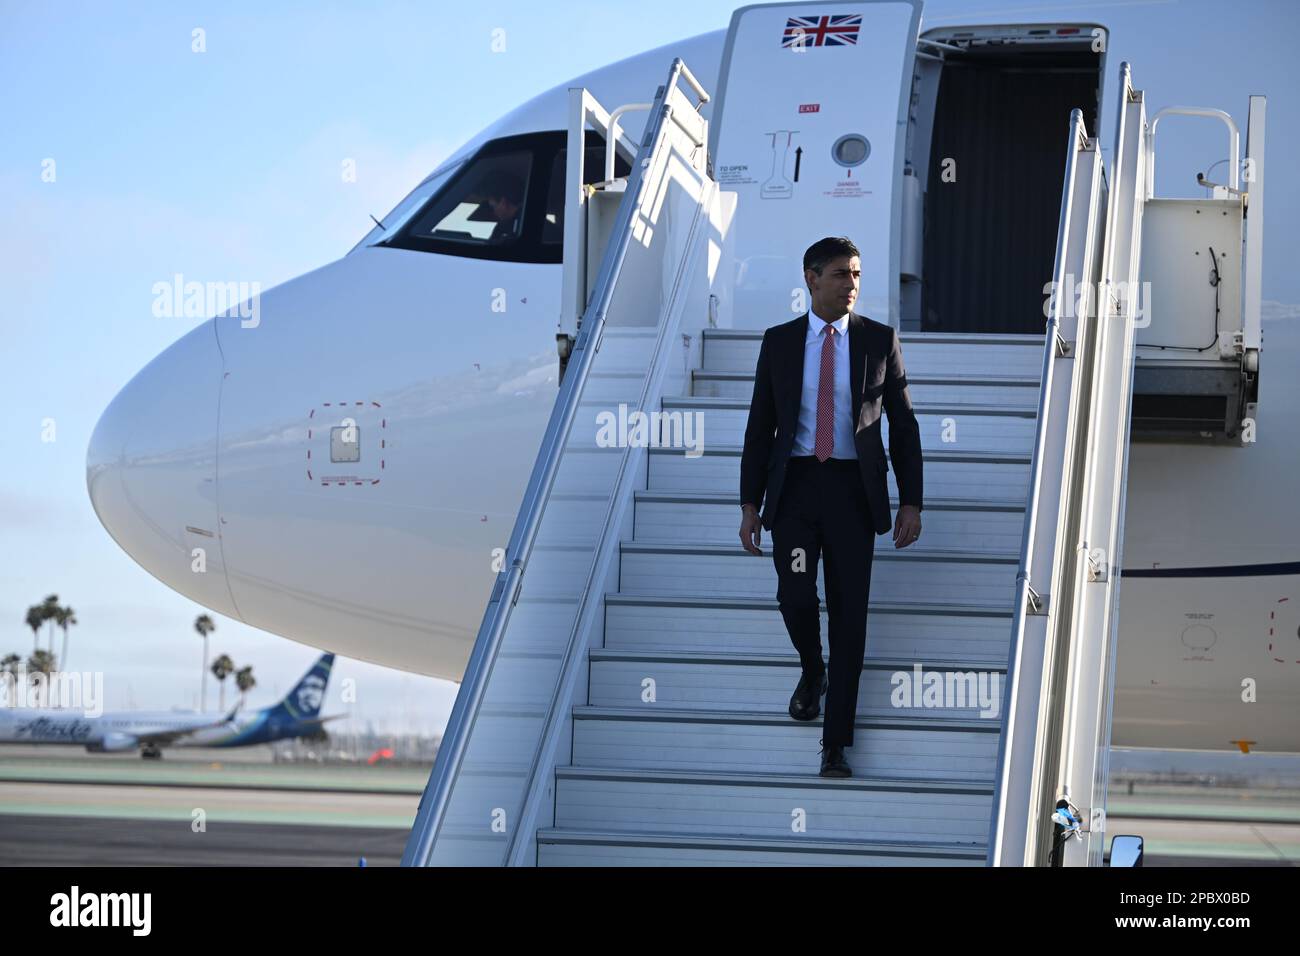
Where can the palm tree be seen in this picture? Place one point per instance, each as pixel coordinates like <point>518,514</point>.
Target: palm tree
<point>49,608</point>
<point>244,681</point>
<point>222,668</point>
<point>35,618</point>
<point>65,617</point>
<point>203,624</point>
<point>9,668</point>
<point>41,662</point>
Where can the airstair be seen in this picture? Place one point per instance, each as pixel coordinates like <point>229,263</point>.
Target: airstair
<point>625,702</point>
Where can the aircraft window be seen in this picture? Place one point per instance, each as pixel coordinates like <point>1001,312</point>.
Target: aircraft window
<point>484,207</point>
<point>505,203</point>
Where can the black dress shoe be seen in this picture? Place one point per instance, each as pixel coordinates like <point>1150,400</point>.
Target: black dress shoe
<point>806,701</point>
<point>833,762</point>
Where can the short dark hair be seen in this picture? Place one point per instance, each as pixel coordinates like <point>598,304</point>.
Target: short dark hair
<point>507,186</point>
<point>824,250</point>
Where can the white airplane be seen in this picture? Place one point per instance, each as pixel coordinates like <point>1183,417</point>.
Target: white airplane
<point>297,714</point>
<point>107,733</point>
<point>436,339</point>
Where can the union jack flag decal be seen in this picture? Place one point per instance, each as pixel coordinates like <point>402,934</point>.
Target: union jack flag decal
<point>822,31</point>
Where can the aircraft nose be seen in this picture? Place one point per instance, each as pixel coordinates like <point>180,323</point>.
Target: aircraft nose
<point>151,469</point>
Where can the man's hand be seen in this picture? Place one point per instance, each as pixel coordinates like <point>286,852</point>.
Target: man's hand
<point>751,530</point>
<point>907,527</point>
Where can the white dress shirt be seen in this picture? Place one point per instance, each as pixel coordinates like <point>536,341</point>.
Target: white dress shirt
<point>805,433</point>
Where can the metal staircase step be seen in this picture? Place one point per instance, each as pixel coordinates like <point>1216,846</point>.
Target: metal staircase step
<point>868,806</point>
<point>958,425</point>
<point>749,624</point>
<point>1012,391</point>
<point>674,517</point>
<point>763,682</point>
<point>646,737</point>
<point>945,574</point>
<point>927,353</point>
<point>586,847</point>
<point>948,472</point>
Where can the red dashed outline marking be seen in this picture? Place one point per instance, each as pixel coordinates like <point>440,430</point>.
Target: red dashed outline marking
<point>383,444</point>
<point>1272,616</point>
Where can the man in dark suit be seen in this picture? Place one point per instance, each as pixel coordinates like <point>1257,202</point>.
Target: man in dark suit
<point>813,446</point>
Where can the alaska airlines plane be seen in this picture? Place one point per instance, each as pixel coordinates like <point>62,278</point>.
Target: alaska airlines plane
<point>435,339</point>
<point>296,715</point>
<point>105,733</point>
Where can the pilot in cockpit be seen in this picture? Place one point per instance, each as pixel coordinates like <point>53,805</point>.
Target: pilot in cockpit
<point>504,197</point>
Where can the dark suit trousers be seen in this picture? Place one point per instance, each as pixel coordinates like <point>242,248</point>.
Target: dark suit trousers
<point>823,511</point>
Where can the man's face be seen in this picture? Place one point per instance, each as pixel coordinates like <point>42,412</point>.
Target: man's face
<point>502,208</point>
<point>836,289</point>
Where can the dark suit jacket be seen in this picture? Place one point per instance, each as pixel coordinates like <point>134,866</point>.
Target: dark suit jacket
<point>877,379</point>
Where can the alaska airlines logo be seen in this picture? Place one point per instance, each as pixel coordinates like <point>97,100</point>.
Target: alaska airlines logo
<point>43,728</point>
<point>311,693</point>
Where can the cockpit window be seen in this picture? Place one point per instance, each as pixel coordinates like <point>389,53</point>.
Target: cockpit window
<point>484,207</point>
<point>506,203</point>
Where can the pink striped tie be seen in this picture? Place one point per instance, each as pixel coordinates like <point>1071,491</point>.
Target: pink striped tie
<point>824,444</point>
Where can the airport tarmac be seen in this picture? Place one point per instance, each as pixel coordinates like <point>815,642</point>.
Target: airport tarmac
<point>62,807</point>
<point>37,840</point>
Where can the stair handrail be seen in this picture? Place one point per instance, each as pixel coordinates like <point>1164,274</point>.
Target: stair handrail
<point>1027,598</point>
<point>1092,632</point>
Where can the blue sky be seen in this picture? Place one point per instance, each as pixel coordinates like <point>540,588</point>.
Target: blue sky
<point>227,164</point>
